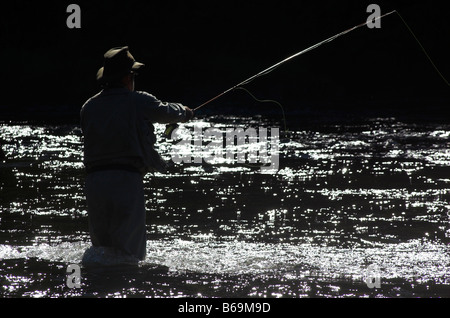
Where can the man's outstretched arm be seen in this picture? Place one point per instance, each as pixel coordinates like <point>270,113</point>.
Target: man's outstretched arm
<point>160,112</point>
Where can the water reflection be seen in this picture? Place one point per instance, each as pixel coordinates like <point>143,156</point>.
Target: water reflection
<point>345,196</point>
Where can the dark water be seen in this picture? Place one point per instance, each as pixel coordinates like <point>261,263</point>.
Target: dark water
<point>347,196</point>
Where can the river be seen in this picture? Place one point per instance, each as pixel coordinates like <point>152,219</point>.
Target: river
<point>350,204</point>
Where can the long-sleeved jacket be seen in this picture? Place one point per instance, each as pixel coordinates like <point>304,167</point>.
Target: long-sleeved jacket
<point>118,129</point>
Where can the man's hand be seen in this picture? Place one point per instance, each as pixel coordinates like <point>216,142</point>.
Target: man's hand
<point>189,114</point>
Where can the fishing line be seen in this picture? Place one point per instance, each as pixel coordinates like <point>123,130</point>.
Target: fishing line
<point>423,49</point>
<point>266,101</point>
<point>269,70</point>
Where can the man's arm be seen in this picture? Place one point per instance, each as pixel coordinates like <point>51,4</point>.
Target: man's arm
<point>160,112</point>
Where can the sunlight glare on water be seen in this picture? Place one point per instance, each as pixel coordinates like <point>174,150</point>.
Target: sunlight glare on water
<point>345,196</point>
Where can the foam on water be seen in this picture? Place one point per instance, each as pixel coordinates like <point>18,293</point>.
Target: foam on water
<point>416,260</point>
<point>66,252</point>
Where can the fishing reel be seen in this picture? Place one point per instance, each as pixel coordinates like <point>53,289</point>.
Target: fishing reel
<point>171,127</point>
<point>169,130</point>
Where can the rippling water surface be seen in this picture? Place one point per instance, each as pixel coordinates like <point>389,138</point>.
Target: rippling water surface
<point>346,197</point>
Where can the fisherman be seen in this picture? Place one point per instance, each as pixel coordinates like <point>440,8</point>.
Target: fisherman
<point>119,138</point>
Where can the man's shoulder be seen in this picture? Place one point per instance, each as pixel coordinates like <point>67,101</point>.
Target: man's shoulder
<point>144,96</point>
<point>93,98</point>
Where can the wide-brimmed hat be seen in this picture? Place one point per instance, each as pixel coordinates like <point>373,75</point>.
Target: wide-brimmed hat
<point>118,62</point>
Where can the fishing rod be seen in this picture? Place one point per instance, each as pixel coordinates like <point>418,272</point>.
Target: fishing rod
<point>273,67</point>
<point>171,127</point>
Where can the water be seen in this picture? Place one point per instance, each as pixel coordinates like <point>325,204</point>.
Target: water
<point>347,196</point>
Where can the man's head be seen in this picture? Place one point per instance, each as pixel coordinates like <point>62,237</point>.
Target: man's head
<point>119,68</point>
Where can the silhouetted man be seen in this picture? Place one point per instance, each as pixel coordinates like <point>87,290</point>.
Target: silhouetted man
<point>119,139</point>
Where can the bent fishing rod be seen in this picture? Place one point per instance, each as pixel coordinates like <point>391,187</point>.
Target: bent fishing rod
<point>171,127</point>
